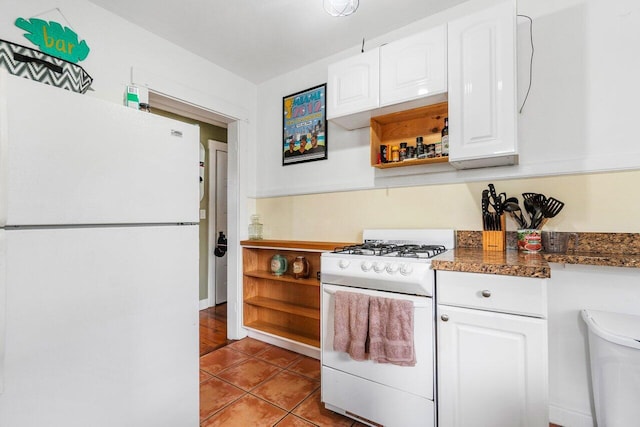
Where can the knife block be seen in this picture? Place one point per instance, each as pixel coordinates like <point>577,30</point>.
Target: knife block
<point>495,240</point>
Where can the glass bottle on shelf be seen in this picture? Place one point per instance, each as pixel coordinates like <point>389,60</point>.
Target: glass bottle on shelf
<point>255,228</point>
<point>445,137</point>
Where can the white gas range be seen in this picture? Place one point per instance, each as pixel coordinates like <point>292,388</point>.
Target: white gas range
<point>393,264</point>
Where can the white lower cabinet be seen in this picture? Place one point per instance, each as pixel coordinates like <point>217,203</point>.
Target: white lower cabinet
<point>491,366</point>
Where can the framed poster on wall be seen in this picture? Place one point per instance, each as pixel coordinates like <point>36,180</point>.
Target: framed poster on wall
<point>304,126</point>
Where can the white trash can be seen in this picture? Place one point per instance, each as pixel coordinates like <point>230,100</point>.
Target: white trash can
<point>614,350</point>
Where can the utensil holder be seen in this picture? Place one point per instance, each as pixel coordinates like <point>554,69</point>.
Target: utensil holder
<point>495,240</point>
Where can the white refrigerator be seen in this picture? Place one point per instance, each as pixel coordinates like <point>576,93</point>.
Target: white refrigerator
<point>98,262</point>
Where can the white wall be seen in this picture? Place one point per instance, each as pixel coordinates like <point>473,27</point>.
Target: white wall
<point>347,167</point>
<point>117,46</point>
<point>579,116</point>
<point>592,203</point>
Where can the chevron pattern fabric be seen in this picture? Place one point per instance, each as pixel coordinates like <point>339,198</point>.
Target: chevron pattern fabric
<point>35,65</point>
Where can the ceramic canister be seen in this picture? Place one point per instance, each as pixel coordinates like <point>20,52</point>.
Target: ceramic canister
<point>300,267</point>
<point>278,265</point>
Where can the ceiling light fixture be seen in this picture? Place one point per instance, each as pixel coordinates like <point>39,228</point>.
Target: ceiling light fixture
<point>340,7</point>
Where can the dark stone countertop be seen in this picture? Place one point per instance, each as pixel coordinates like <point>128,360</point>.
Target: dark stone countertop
<point>598,249</point>
<point>509,263</point>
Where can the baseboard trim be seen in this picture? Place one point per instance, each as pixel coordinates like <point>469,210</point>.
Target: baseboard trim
<point>285,343</point>
<point>569,418</point>
<point>204,303</point>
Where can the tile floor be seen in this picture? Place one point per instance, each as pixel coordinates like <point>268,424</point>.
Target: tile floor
<point>252,383</point>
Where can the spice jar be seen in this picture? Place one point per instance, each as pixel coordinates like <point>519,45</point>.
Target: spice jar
<point>431,150</point>
<point>420,154</point>
<point>300,267</point>
<point>403,151</point>
<point>395,153</point>
<point>384,157</point>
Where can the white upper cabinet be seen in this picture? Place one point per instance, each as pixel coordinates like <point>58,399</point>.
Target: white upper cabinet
<point>353,86</point>
<point>398,76</point>
<point>413,67</point>
<point>482,88</point>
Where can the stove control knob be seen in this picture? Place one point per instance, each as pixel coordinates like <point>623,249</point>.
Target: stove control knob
<point>379,267</point>
<point>392,268</point>
<point>406,269</point>
<point>366,265</point>
<point>344,263</point>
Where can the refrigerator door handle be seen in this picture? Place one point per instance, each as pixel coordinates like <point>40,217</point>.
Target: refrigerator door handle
<point>4,148</point>
<point>3,303</point>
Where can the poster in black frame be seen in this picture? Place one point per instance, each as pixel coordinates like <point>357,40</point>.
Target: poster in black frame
<point>304,126</point>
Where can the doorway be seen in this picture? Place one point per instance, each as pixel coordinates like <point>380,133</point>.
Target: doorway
<point>217,222</point>
<point>210,130</point>
<point>235,118</point>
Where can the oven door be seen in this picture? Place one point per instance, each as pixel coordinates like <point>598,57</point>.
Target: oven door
<point>416,380</point>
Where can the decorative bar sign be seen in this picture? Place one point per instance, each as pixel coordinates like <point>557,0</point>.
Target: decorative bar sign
<point>54,39</point>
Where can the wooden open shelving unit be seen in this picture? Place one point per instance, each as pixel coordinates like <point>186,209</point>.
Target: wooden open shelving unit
<point>406,126</point>
<point>283,305</point>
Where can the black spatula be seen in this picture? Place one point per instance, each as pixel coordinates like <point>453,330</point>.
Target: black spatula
<point>552,207</point>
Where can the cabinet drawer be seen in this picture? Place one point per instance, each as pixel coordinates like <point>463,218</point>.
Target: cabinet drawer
<point>506,294</point>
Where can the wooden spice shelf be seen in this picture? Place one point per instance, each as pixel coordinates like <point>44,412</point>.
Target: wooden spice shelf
<point>412,162</point>
<point>406,126</point>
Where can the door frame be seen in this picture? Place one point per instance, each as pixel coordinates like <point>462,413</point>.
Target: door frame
<point>240,134</point>
<point>212,232</point>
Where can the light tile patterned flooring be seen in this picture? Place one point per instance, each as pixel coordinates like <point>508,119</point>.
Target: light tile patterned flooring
<point>252,383</point>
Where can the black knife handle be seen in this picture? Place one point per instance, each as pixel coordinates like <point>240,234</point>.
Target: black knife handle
<point>497,203</point>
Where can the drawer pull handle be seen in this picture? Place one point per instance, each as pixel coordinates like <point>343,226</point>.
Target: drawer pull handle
<point>444,318</point>
<point>486,293</point>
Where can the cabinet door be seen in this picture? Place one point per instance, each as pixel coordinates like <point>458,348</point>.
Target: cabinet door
<point>353,84</point>
<point>492,369</point>
<point>482,86</point>
<point>413,67</point>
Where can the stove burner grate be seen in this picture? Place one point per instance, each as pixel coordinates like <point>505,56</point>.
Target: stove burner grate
<point>392,250</point>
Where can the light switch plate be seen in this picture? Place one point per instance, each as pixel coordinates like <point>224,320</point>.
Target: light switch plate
<point>203,214</point>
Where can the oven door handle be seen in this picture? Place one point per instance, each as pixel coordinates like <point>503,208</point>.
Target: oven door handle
<point>332,292</point>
